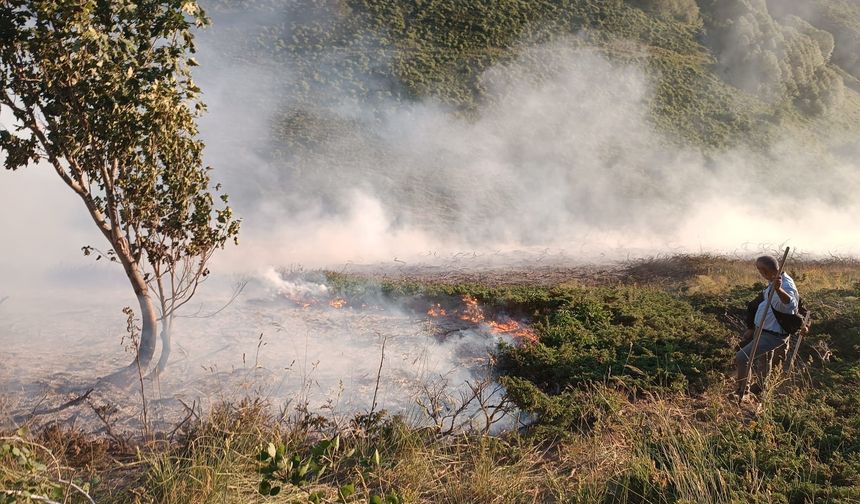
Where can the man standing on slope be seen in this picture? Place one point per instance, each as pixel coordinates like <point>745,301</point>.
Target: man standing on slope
<point>785,301</point>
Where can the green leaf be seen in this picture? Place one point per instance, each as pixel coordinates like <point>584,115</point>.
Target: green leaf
<point>265,487</point>
<point>346,491</point>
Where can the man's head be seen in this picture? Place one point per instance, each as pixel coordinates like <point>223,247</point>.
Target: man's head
<point>767,266</point>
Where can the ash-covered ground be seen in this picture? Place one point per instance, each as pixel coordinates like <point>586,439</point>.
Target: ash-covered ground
<point>287,338</point>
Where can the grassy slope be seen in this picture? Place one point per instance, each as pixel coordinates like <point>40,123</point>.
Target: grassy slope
<point>629,381</point>
<point>404,50</point>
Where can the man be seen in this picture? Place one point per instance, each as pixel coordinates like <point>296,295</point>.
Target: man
<point>785,300</point>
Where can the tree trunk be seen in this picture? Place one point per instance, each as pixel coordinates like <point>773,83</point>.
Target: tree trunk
<point>149,325</point>
<point>166,332</point>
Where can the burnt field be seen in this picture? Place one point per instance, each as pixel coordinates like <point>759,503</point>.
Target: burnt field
<point>541,383</point>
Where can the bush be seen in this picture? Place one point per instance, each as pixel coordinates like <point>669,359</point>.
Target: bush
<point>686,11</point>
<point>776,60</point>
<point>641,339</point>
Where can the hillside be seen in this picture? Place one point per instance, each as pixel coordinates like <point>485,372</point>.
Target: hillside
<point>724,73</point>
<point>512,372</point>
<point>482,123</point>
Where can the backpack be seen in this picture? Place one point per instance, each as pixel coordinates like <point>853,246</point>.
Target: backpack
<point>790,322</point>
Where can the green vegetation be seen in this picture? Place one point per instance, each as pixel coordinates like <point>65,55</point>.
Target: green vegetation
<point>30,472</point>
<point>724,73</point>
<point>636,338</point>
<point>627,390</point>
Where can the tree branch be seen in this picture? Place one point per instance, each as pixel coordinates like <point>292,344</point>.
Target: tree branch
<point>76,185</point>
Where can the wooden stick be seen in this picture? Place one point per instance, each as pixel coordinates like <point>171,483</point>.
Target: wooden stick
<point>760,326</point>
<point>796,346</point>
<point>56,409</point>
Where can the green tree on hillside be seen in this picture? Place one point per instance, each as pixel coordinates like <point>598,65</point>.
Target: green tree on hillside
<point>101,91</point>
<point>786,59</point>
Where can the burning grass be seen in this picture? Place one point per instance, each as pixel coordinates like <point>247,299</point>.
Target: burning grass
<point>624,389</point>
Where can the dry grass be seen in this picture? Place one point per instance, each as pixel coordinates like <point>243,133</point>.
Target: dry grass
<point>664,444</point>
<point>712,274</point>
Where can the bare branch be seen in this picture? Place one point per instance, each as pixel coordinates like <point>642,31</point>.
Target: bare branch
<point>237,290</point>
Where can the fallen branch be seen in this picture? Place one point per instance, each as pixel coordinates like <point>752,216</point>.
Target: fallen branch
<point>185,420</point>
<point>20,493</point>
<point>68,404</point>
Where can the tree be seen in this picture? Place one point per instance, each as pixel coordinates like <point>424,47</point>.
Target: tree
<point>101,91</point>
<point>174,281</point>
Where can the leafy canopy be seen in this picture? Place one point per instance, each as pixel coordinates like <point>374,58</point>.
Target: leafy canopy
<point>102,90</point>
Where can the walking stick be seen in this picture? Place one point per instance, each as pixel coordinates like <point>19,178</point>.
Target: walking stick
<point>760,325</point>
<point>796,346</point>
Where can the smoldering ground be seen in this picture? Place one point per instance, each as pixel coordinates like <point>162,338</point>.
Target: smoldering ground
<point>284,340</point>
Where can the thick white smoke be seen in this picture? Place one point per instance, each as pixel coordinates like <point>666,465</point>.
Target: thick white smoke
<point>564,158</point>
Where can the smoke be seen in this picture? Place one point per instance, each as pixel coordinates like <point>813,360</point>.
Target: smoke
<point>562,154</point>
<point>839,19</point>
<point>43,227</point>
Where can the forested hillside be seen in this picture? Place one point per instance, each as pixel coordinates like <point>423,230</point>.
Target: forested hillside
<point>724,72</point>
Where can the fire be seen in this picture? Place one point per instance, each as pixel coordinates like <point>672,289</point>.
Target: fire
<point>436,311</point>
<point>302,302</point>
<point>504,327</point>
<point>472,311</point>
<point>515,329</point>
<point>337,303</point>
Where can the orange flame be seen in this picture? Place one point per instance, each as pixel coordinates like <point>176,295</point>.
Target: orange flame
<point>504,327</point>
<point>337,303</point>
<point>302,301</point>
<point>436,311</point>
<point>515,329</point>
<point>472,311</point>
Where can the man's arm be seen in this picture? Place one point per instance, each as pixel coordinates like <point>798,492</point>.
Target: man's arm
<point>787,294</point>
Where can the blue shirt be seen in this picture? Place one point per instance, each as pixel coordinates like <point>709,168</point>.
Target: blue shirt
<point>770,322</point>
